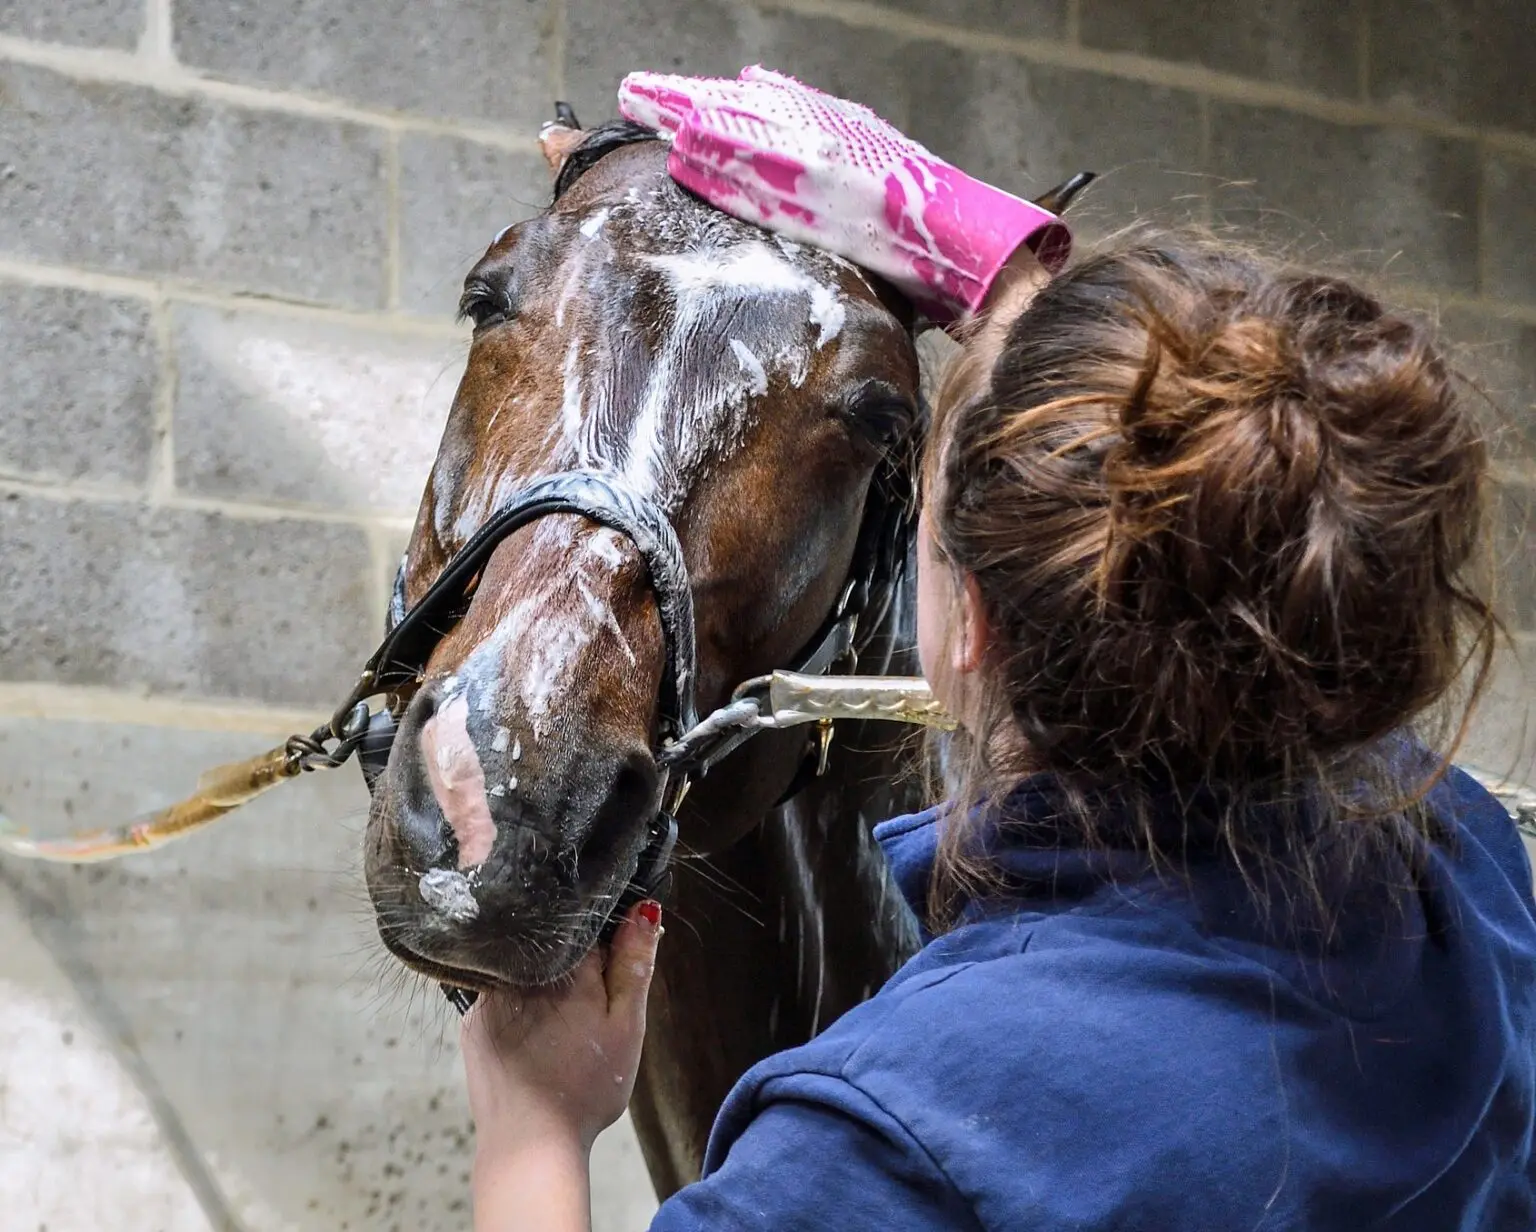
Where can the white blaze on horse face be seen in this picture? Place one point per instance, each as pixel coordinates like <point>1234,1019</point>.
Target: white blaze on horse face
<point>545,632</point>
<point>669,438</point>
<point>458,780</point>
<point>572,406</point>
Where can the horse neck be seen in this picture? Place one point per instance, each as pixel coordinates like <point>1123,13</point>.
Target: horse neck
<point>779,935</point>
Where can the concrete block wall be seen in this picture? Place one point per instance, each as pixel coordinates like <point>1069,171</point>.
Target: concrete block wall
<point>231,238</point>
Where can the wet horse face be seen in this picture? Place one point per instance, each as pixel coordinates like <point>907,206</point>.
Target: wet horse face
<point>749,387</point>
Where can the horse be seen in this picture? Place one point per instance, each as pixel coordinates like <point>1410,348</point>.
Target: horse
<point>756,396</point>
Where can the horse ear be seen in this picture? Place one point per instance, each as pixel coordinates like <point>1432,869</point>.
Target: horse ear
<point>557,141</point>
<point>560,136</point>
<point>1057,200</point>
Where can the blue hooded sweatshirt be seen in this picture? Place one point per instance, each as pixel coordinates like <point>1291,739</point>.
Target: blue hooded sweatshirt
<point>1106,1048</point>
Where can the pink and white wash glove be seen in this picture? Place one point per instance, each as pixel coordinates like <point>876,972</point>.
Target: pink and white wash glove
<point>770,150</point>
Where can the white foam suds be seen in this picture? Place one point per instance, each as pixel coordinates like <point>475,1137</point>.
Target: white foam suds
<point>592,226</point>
<point>602,611</point>
<point>571,402</point>
<point>747,267</point>
<point>448,892</point>
<point>605,545</point>
<point>553,655</point>
<point>828,313</point>
<point>757,376</point>
<point>672,434</point>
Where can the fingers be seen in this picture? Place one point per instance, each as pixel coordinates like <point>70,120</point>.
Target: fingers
<point>632,962</point>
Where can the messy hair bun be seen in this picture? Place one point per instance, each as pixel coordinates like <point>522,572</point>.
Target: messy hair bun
<point>1222,518</point>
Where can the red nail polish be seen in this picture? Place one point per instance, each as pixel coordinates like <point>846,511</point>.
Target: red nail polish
<point>650,912</point>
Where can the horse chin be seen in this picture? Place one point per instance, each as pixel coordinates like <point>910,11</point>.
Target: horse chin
<point>484,964</point>
<point>490,938</point>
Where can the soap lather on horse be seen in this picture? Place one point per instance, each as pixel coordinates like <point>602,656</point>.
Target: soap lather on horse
<point>1214,934</point>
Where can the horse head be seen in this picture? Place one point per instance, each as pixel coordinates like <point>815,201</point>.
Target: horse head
<point>738,394</point>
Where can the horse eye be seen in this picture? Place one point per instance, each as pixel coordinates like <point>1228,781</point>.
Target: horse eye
<point>485,304</point>
<point>879,413</point>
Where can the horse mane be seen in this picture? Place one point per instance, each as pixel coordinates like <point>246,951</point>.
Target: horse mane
<point>597,144</point>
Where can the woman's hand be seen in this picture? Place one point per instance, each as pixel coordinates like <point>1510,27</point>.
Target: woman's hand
<point>829,172</point>
<point>548,1071</point>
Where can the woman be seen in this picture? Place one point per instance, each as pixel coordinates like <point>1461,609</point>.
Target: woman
<point>1219,941</point>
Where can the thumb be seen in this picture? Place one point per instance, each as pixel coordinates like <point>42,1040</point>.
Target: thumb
<point>632,961</point>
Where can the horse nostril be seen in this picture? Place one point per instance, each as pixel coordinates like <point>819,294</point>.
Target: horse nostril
<point>419,823</point>
<point>424,703</point>
<point>623,814</point>
<point>633,787</point>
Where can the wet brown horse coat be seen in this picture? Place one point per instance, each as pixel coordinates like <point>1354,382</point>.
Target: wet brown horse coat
<point>750,387</point>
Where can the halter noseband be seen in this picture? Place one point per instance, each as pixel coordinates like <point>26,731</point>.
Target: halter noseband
<point>415,633</point>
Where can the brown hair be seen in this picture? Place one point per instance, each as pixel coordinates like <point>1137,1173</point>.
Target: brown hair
<point>1222,517</point>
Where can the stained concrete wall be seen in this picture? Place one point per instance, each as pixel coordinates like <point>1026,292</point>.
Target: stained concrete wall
<point>231,236</point>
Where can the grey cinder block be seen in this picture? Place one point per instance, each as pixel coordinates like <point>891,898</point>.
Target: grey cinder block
<point>86,23</point>
<point>121,178</point>
<point>478,59</point>
<point>1388,201</point>
<point>1514,555</point>
<point>1469,60</point>
<point>277,409</point>
<point>1026,127</point>
<point>1497,355</point>
<point>1036,19</point>
<point>78,392</point>
<point>1312,44</point>
<point>183,602</point>
<point>1509,240</point>
<point>904,80</point>
<point>605,39</point>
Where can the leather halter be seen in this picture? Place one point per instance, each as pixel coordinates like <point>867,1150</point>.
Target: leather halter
<point>414,634</point>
